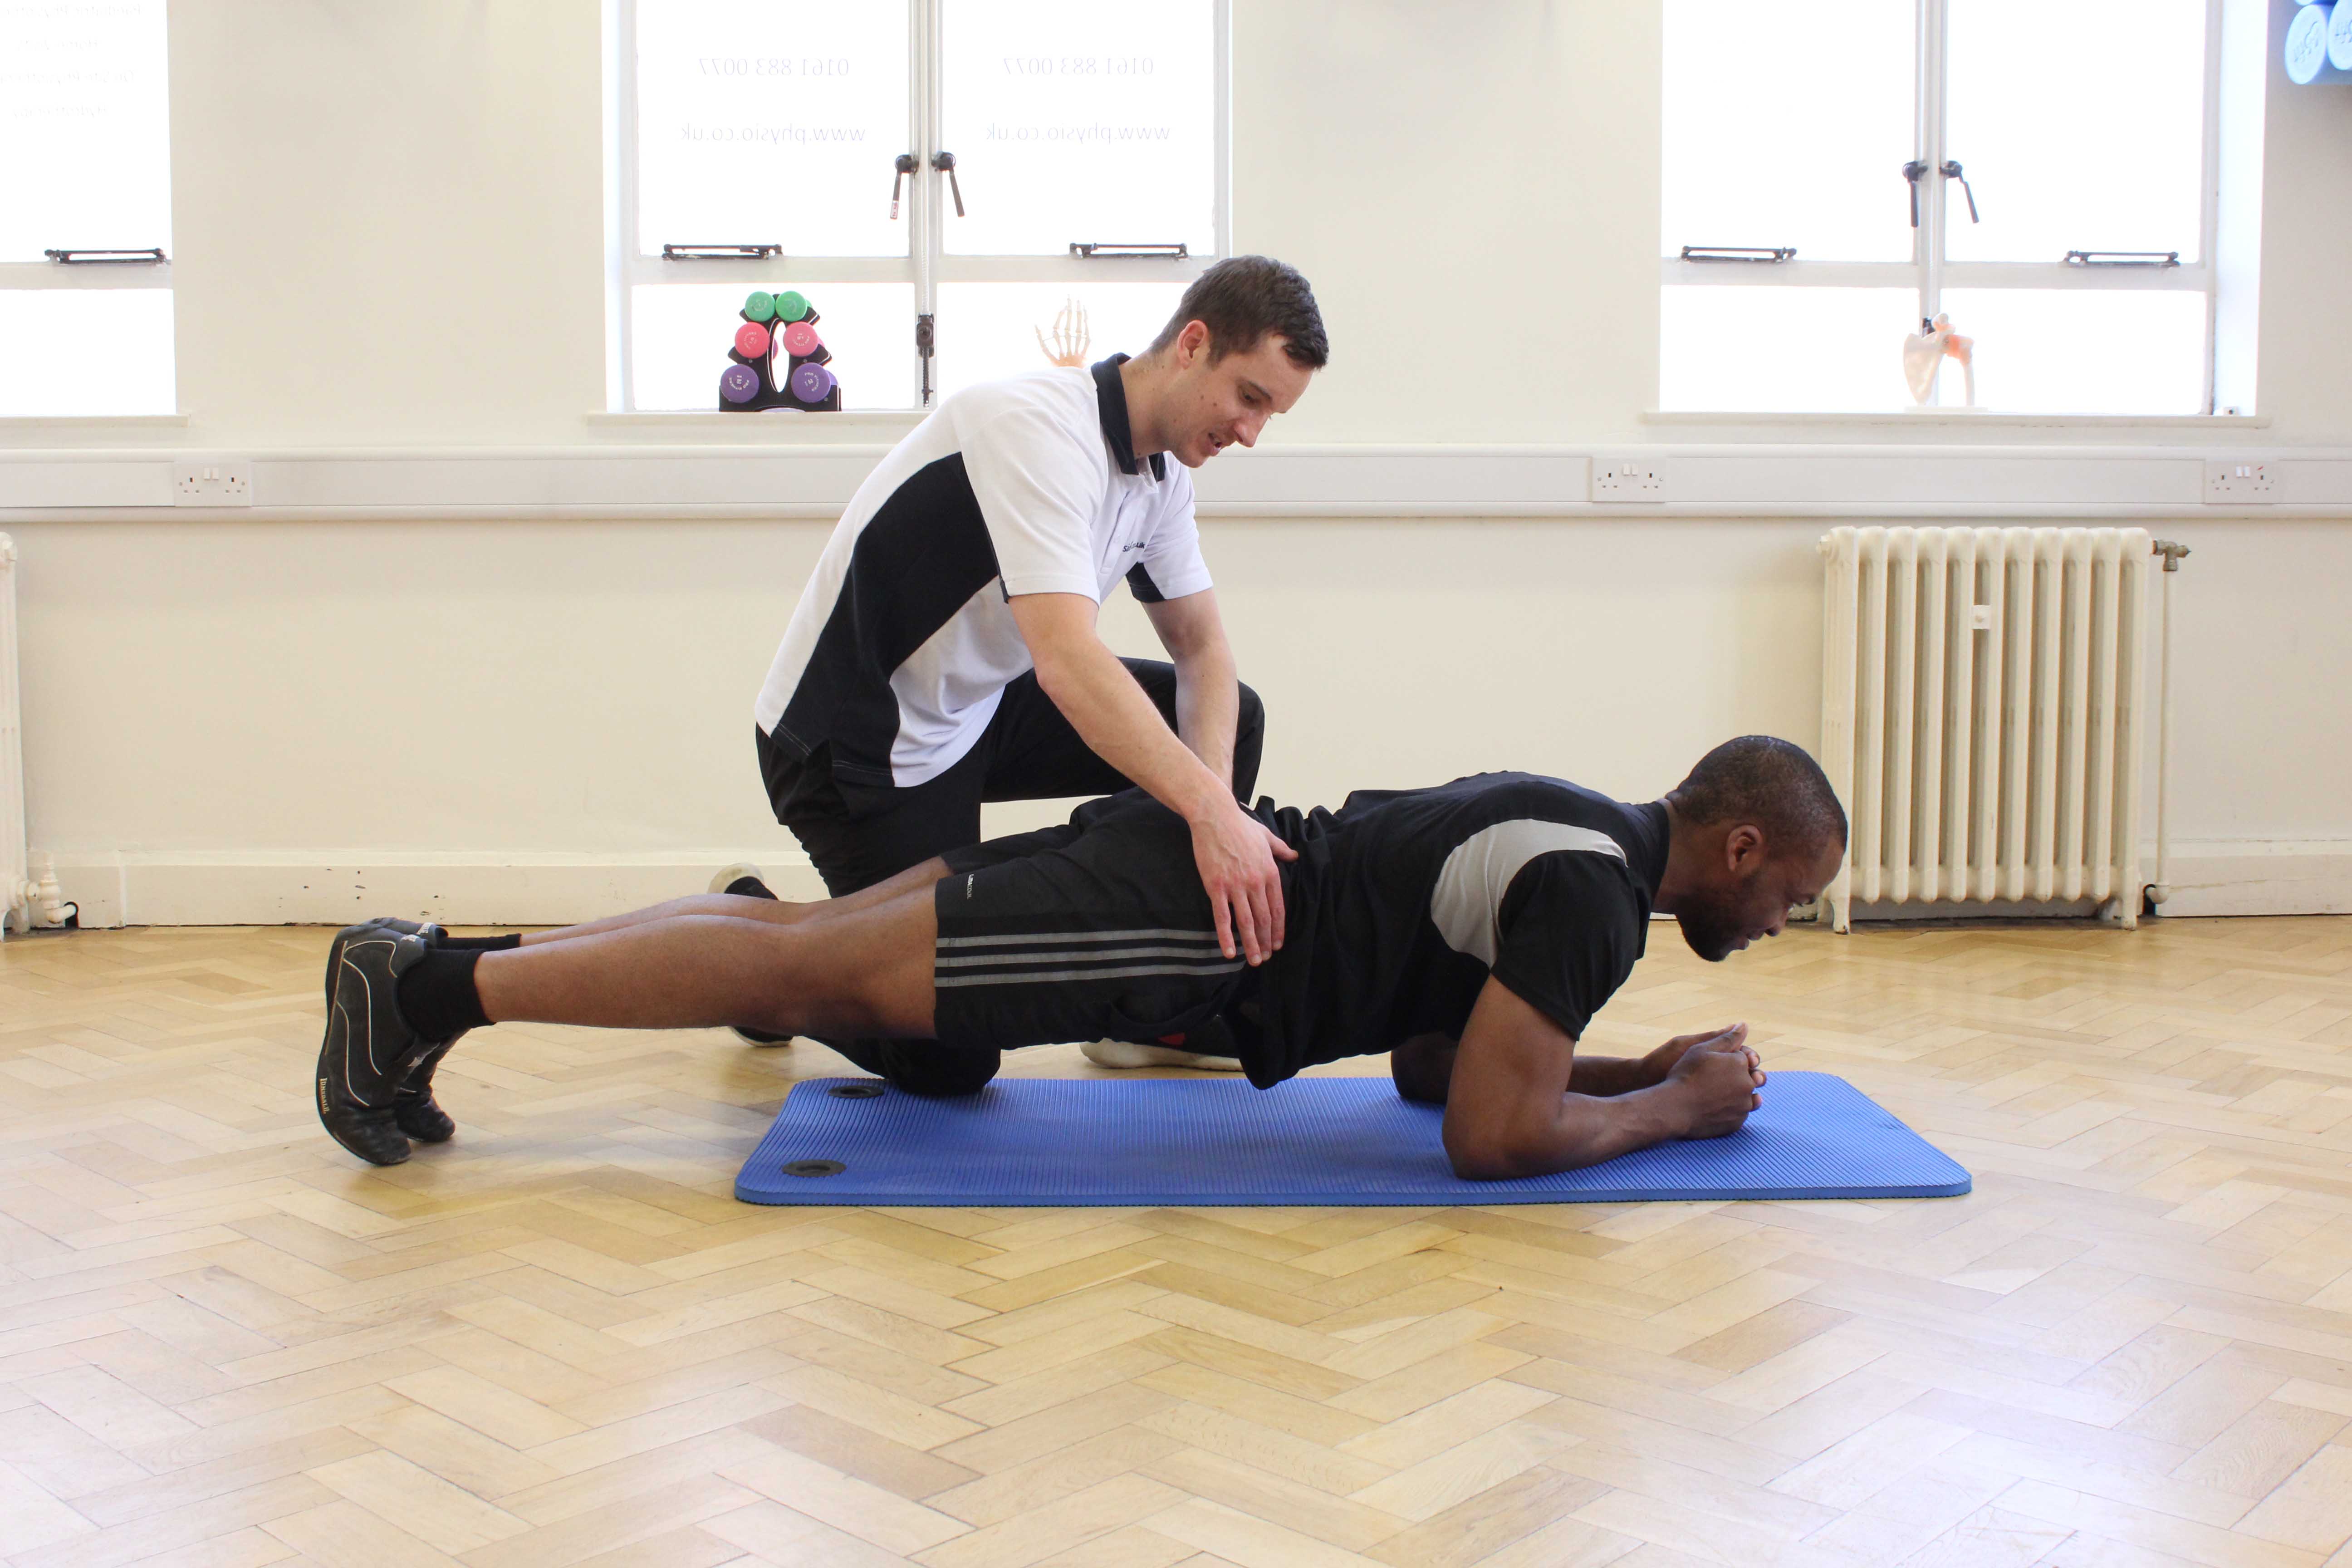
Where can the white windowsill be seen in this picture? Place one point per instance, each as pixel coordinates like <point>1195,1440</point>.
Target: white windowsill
<point>29,424</point>
<point>1914,417</point>
<point>783,427</point>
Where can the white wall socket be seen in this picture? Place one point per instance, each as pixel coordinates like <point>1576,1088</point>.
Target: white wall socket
<point>1628,479</point>
<point>2238,479</point>
<point>213,481</point>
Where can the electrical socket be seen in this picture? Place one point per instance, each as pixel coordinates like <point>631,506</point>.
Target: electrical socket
<point>1628,479</point>
<point>2233,480</point>
<point>213,481</point>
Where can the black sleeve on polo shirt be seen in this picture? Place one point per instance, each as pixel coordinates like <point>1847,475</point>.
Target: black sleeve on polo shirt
<point>1139,584</point>
<point>1571,924</point>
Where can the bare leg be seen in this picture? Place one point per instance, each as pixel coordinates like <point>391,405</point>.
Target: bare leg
<point>776,912</point>
<point>865,972</point>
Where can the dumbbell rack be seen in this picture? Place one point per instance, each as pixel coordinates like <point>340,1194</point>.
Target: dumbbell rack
<point>778,329</point>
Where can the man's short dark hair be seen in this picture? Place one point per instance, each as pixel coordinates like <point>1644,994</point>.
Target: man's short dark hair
<point>1770,782</point>
<point>1243,297</point>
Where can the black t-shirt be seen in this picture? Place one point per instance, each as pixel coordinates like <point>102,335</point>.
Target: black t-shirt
<point>1405,902</point>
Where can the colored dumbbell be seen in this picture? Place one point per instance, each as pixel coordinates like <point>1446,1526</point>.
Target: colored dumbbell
<point>753,340</point>
<point>811,384</point>
<point>760,306</point>
<point>738,383</point>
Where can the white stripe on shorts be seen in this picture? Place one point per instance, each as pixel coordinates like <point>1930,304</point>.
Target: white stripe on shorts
<point>1031,976</point>
<point>1066,939</point>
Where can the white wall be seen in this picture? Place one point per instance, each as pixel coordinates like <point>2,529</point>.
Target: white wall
<point>388,235</point>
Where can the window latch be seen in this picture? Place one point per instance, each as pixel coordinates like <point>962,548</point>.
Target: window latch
<point>720,252</point>
<point>1767,255</point>
<point>905,165</point>
<point>2123,259</point>
<point>1106,249</point>
<point>149,258</point>
<point>1911,172</point>
<point>945,163</point>
<point>923,344</point>
<point>1951,171</point>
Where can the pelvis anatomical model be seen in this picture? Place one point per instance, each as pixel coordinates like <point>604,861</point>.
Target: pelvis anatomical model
<point>1925,349</point>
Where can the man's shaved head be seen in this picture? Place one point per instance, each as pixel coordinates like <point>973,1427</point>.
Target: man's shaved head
<point>1758,829</point>
<point>1769,782</point>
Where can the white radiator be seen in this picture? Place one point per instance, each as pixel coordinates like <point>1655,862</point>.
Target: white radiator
<point>17,889</point>
<point>1981,707</point>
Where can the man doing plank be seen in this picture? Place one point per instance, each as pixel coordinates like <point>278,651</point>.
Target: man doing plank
<point>1471,931</point>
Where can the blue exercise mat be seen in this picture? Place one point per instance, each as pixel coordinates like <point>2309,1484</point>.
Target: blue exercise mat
<point>1312,1142</point>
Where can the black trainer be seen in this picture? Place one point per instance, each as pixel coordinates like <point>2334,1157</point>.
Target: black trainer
<point>412,1105</point>
<point>368,1047</point>
<point>413,1109</point>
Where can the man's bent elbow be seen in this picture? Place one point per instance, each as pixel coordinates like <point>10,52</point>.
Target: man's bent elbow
<point>1493,1158</point>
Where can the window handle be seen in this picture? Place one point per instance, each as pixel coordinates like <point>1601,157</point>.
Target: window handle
<point>905,165</point>
<point>1951,171</point>
<point>1769,254</point>
<point>107,257</point>
<point>2123,259</point>
<point>925,341</point>
<point>945,163</point>
<point>720,252</point>
<point>1911,172</point>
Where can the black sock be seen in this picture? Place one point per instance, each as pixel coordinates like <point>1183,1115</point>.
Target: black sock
<point>479,944</point>
<point>438,996</point>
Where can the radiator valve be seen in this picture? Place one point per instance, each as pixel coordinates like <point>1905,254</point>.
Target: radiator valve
<point>2173,553</point>
<point>46,905</point>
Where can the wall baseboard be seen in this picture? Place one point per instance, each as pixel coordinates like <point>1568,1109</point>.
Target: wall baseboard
<point>2258,877</point>
<point>2220,876</point>
<point>336,888</point>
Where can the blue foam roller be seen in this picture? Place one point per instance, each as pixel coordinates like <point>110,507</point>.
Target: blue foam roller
<point>1312,1142</point>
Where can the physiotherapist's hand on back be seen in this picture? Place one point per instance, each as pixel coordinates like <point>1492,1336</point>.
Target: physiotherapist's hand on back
<point>1237,855</point>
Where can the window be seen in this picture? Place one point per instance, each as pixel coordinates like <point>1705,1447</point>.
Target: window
<point>1027,182</point>
<point>85,136</point>
<point>1838,172</point>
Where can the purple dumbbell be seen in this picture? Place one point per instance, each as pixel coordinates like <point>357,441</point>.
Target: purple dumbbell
<point>738,383</point>
<point>811,384</point>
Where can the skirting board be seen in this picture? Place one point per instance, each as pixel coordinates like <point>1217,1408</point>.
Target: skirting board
<point>163,889</point>
<point>2208,878</point>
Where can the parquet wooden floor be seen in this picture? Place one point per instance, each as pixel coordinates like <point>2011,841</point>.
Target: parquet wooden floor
<point>559,1340</point>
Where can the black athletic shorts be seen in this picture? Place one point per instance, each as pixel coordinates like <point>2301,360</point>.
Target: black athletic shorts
<point>1098,929</point>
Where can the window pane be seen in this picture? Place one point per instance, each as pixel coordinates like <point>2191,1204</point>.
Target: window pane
<point>682,331</point>
<point>2075,351</point>
<point>1789,125</point>
<point>759,124</point>
<point>1078,120</point>
<point>85,128</point>
<point>86,351</point>
<point>990,329</point>
<point>2081,126</point>
<point>1783,349</point>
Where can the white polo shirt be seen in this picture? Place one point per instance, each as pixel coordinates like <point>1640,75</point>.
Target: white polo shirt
<point>903,640</point>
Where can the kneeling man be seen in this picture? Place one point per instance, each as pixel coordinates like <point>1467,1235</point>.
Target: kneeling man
<point>1470,930</point>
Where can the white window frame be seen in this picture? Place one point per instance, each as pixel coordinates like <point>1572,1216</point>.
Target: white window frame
<point>926,264</point>
<point>1929,274</point>
<point>25,275</point>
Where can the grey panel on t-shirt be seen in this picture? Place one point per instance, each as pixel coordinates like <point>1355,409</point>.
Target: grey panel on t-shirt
<point>1466,904</point>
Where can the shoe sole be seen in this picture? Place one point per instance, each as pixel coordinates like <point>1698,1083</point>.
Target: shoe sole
<point>728,876</point>
<point>1128,1055</point>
